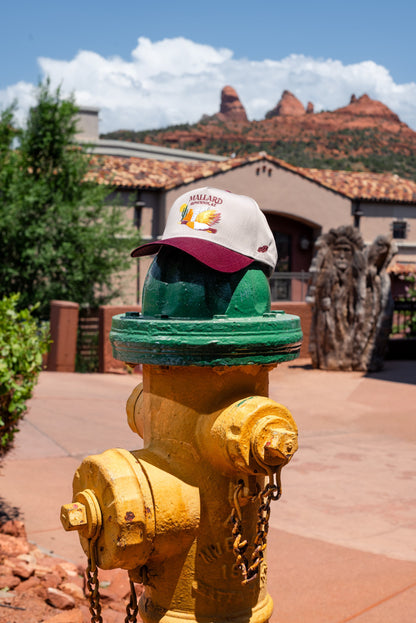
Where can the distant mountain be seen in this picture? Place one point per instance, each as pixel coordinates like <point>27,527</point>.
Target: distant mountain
<point>365,135</point>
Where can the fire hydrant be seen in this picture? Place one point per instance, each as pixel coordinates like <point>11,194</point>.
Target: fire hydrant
<point>188,515</point>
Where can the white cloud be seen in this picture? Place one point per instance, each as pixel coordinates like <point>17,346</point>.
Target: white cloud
<point>21,93</point>
<point>177,80</point>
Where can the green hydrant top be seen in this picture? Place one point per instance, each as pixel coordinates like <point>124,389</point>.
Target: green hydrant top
<point>178,286</point>
<point>195,315</point>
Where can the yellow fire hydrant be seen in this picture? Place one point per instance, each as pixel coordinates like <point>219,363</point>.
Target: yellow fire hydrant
<point>188,515</point>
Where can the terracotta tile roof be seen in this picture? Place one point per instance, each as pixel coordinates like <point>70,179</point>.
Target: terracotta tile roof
<point>157,174</point>
<point>402,269</point>
<point>364,186</point>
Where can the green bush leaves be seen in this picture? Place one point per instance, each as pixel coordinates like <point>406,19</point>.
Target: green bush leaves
<point>22,343</point>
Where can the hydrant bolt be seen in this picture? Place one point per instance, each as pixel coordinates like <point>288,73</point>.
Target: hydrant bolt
<point>280,447</point>
<point>274,440</point>
<point>84,514</point>
<point>73,516</point>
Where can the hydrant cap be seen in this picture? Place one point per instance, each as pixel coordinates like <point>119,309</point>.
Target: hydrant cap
<point>224,231</point>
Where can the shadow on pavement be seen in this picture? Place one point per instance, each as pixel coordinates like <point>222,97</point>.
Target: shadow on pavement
<point>7,511</point>
<point>300,366</point>
<point>396,372</point>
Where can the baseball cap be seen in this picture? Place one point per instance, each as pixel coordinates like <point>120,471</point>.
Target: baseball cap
<point>224,231</point>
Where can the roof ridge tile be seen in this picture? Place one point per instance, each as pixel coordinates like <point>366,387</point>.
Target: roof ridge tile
<point>134,172</point>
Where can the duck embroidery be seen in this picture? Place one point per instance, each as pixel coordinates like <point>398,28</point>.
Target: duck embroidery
<point>202,221</point>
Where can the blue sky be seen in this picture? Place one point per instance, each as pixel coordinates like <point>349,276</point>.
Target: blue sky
<point>147,64</point>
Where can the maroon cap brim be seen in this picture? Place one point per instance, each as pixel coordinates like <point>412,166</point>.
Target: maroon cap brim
<point>213,255</point>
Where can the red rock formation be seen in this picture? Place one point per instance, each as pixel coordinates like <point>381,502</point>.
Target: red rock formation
<point>231,108</point>
<point>288,106</point>
<point>291,124</point>
<point>364,106</point>
<point>309,109</point>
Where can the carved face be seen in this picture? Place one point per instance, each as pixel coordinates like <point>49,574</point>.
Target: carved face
<point>379,251</point>
<point>342,253</point>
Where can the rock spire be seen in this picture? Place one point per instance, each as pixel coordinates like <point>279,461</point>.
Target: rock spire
<point>288,105</point>
<point>231,108</point>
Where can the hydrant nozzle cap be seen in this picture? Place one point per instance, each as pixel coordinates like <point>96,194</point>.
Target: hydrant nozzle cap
<point>83,515</point>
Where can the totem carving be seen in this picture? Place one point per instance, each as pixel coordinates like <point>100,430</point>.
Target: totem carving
<point>350,295</point>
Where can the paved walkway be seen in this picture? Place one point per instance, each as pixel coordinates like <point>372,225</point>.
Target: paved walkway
<point>342,544</point>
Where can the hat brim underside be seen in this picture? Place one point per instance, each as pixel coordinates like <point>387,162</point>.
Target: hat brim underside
<point>209,253</point>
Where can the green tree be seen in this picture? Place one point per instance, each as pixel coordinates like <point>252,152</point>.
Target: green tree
<point>59,238</point>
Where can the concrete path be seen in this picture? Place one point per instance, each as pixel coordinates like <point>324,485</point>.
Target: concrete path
<point>342,543</point>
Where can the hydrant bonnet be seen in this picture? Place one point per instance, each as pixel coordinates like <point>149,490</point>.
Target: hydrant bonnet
<point>197,310</point>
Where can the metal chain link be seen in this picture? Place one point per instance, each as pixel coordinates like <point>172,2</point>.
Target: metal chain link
<point>132,607</point>
<point>250,570</point>
<point>94,597</point>
<point>93,585</point>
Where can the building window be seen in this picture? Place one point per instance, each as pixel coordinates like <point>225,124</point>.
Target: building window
<point>399,229</point>
<point>281,281</point>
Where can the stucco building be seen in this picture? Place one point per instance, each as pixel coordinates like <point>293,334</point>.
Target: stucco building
<point>299,203</point>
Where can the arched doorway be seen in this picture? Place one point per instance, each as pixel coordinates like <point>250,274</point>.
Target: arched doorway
<point>295,240</point>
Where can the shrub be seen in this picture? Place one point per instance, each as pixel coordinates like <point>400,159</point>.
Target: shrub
<point>22,344</point>
<point>404,324</point>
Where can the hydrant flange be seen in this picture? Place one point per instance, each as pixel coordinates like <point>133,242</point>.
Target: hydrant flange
<point>220,341</point>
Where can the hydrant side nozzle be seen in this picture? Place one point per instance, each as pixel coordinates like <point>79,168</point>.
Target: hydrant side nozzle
<point>121,517</point>
<point>249,436</point>
<point>134,410</point>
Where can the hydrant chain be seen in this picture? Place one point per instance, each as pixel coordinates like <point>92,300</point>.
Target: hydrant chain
<point>270,492</point>
<point>94,597</point>
<point>132,607</point>
<point>93,585</point>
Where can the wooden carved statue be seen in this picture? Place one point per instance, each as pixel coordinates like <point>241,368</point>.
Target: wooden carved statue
<point>379,304</point>
<point>349,291</point>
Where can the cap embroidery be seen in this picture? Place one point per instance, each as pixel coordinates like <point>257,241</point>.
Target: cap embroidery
<point>263,249</point>
<point>202,221</point>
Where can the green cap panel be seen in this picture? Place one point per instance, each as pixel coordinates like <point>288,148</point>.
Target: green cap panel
<point>179,286</point>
